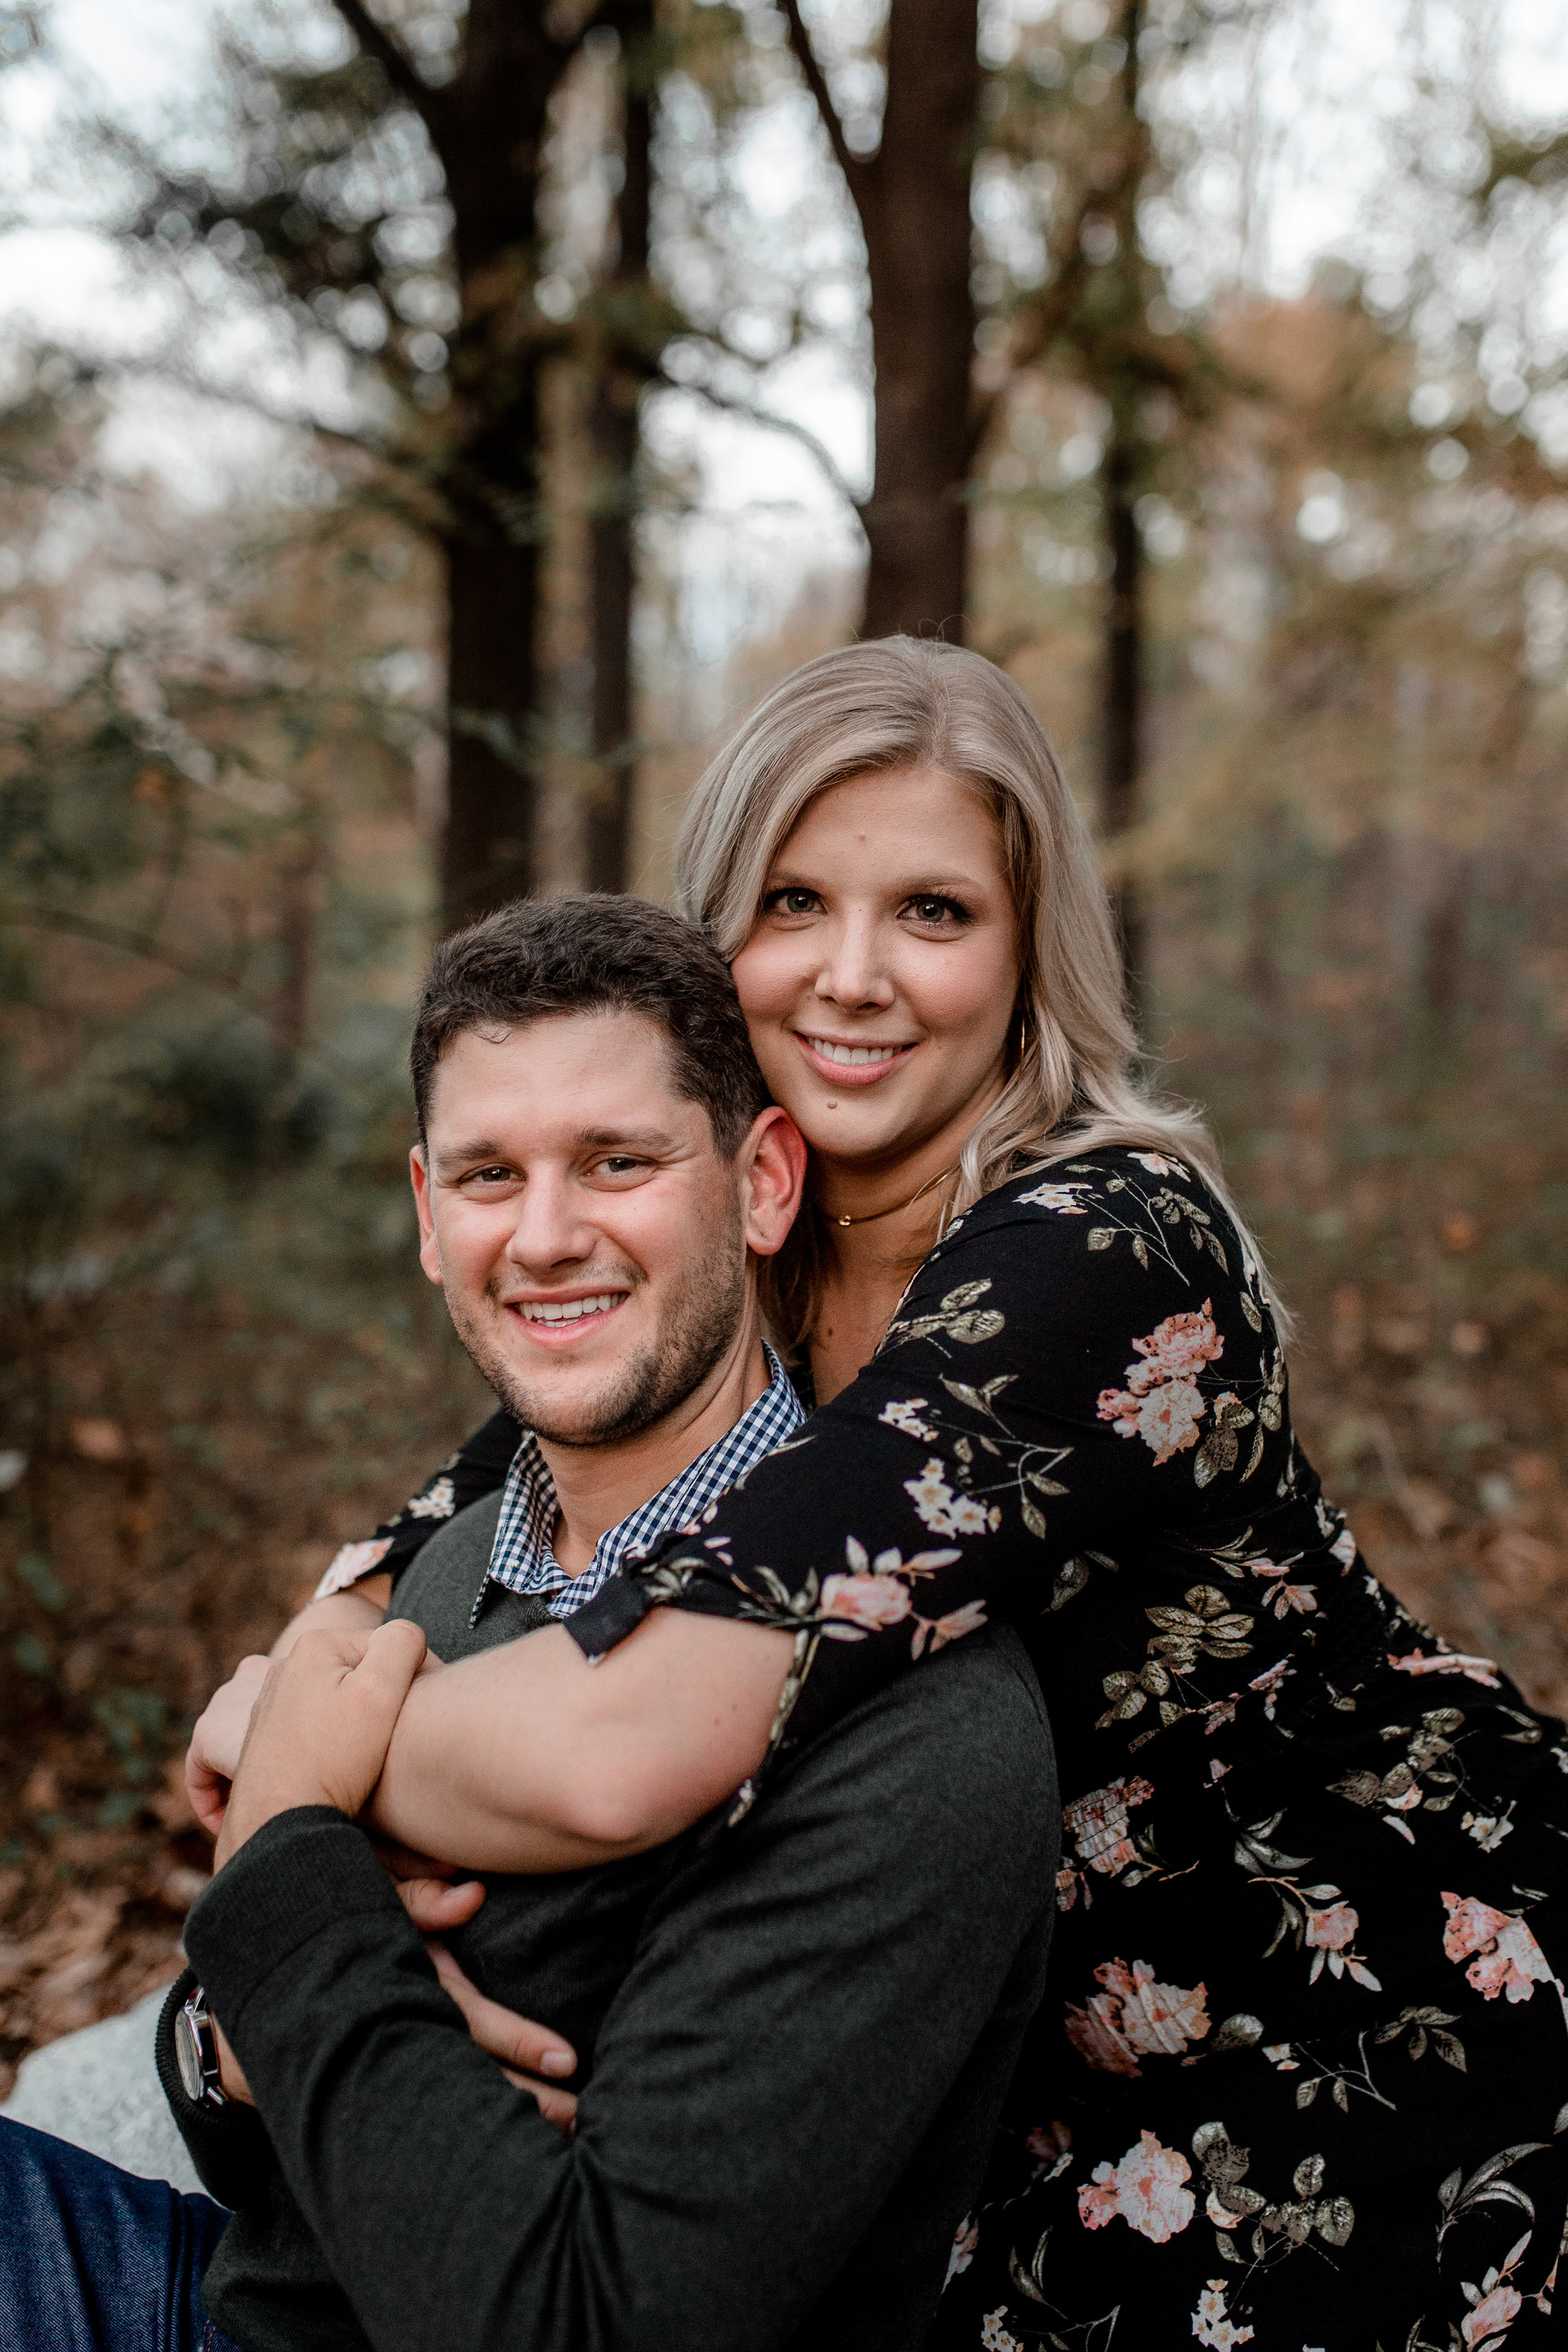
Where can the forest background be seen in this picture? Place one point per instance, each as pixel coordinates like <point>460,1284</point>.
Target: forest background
<point>1203,362</point>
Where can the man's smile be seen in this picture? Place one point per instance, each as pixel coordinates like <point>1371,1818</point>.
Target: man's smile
<point>562,1317</point>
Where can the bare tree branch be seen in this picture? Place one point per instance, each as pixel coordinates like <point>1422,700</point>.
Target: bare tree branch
<point>733,405</point>
<point>130,942</point>
<point>855,168</point>
<point>395,64</point>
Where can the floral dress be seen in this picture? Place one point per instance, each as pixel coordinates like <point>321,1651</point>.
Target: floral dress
<point>1301,2079</point>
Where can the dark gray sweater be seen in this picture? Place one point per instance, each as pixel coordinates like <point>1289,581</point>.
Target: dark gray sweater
<point>795,2036</point>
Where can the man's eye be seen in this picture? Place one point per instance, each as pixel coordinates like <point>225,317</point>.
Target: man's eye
<point>790,902</point>
<point>497,1175</point>
<point>620,1164</point>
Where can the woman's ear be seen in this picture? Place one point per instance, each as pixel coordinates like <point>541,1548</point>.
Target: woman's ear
<point>771,1164</point>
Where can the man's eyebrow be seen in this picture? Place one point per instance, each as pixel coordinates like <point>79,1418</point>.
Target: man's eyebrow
<point>624,1139</point>
<point>464,1155</point>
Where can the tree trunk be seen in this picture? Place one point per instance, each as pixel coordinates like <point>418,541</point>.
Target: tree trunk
<point>489,128</point>
<point>1122,776</point>
<point>487,847</point>
<point>915,214</point>
<point>612,535</point>
<point>1122,792</point>
<point>912,197</point>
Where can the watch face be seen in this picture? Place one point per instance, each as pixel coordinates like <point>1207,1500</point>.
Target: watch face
<point>187,2051</point>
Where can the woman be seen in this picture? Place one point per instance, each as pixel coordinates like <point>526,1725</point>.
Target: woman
<point>1301,2078</point>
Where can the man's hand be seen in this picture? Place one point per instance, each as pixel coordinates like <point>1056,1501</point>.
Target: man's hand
<point>212,1758</point>
<point>320,1727</point>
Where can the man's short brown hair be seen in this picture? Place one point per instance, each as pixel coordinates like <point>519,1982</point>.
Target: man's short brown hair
<point>596,952</point>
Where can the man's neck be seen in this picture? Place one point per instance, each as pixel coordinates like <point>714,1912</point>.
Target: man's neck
<point>597,1487</point>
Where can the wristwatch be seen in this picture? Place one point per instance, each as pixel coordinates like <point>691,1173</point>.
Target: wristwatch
<point>195,2048</point>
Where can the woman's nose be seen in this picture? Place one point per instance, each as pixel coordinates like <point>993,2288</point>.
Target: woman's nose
<point>854,973</point>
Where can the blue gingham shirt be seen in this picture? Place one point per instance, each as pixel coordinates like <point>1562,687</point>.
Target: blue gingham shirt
<point>521,1557</point>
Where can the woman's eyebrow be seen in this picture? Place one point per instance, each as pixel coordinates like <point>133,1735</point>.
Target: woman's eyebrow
<point>783,877</point>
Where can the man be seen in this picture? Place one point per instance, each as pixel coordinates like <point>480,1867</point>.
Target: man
<point>793,2039</point>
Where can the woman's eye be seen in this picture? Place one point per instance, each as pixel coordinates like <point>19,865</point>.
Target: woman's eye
<point>790,902</point>
<point>934,909</point>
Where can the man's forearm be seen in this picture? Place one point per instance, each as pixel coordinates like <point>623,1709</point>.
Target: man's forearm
<point>528,1758</point>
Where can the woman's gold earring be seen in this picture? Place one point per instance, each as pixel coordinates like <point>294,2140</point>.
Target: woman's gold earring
<point>1023,1035</point>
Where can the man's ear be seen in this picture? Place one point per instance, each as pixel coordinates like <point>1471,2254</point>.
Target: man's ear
<point>419,1177</point>
<point>771,1164</point>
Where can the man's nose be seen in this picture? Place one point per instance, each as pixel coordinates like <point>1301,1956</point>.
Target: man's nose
<point>854,973</point>
<point>551,1228</point>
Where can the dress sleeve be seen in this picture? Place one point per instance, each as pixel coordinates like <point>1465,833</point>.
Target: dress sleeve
<point>479,1467</point>
<point>1080,1365</point>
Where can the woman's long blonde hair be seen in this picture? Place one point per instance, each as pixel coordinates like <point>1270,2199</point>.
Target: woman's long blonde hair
<point>900,702</point>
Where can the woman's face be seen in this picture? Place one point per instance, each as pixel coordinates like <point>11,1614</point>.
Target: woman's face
<point>880,983</point>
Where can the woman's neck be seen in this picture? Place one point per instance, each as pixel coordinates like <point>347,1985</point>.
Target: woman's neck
<point>865,1273</point>
<point>878,1221</point>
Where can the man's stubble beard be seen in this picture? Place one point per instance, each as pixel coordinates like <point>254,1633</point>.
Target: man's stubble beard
<point>702,1318</point>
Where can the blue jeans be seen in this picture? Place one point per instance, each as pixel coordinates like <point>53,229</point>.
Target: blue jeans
<point>94,2260</point>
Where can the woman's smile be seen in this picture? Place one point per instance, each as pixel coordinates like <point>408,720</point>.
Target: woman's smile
<point>854,1063</point>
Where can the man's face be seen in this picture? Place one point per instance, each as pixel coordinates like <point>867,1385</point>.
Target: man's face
<point>591,1242</point>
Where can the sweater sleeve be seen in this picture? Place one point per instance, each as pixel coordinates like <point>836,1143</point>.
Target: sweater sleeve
<point>757,2091</point>
<point>227,2144</point>
<point>1082,1364</point>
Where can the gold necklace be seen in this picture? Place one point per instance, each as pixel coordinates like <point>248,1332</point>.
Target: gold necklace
<point>875,1214</point>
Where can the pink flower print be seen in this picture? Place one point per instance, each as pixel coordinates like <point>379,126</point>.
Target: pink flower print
<point>871,1603</point>
<point>1330,1932</point>
<point>1212,2323</point>
<point>1145,2188</point>
<point>1332,1928</point>
<point>1491,2318</point>
<point>946,1513</point>
<point>1508,1957</point>
<point>994,2336</point>
<point>1161,1403</point>
<point>1448,1662</point>
<point>1168,1419</point>
<point>1061,1197</point>
<point>964,2246</point>
<point>940,1631</point>
<point>903,1412</point>
<point>1157,1164</point>
<point>1135,2017</point>
<point>1159,2020</point>
<point>1096,2034</point>
<point>350,1562</point>
<point>1177,1349</point>
<point>1343,1549</point>
<point>1097,1826</point>
<point>1280,1595</point>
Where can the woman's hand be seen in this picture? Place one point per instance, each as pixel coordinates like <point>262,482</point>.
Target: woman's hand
<point>531,2055</point>
<point>212,1758</point>
<point>527,2052</point>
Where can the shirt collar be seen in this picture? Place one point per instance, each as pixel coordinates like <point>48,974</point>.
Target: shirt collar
<point>521,1557</point>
